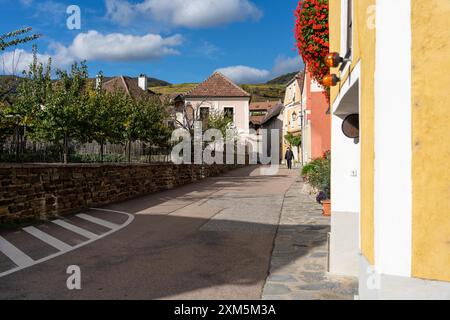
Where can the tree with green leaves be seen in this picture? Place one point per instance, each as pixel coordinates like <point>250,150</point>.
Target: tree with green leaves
<point>61,118</point>
<point>145,122</point>
<point>6,124</point>
<point>293,141</point>
<point>15,38</point>
<point>34,90</point>
<point>105,115</point>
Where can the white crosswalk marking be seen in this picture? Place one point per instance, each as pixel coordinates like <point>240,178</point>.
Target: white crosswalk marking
<point>58,244</point>
<point>80,231</point>
<point>13,253</point>
<point>22,260</point>
<point>95,220</point>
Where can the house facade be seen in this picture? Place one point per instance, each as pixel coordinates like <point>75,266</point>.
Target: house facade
<point>220,95</point>
<point>292,122</point>
<point>390,221</point>
<point>316,120</point>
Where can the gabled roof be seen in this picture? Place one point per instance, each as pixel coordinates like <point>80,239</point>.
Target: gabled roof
<point>127,85</point>
<point>273,112</point>
<point>262,106</point>
<point>217,85</point>
<point>256,120</point>
<point>300,78</point>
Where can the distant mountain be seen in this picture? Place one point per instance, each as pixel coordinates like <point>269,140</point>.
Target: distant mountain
<point>153,82</point>
<point>284,79</point>
<point>265,92</point>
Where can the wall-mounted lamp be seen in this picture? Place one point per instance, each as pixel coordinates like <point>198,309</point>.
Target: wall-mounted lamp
<point>330,80</point>
<point>333,60</point>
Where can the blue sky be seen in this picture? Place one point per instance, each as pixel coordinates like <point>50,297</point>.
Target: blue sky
<point>178,40</point>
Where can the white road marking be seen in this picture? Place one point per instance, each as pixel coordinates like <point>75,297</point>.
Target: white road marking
<point>13,253</point>
<point>129,220</point>
<point>55,243</point>
<point>95,220</point>
<point>80,231</point>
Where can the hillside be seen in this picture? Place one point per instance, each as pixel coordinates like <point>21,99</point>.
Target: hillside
<point>173,88</point>
<point>259,92</point>
<point>264,92</point>
<point>284,79</point>
<point>153,82</point>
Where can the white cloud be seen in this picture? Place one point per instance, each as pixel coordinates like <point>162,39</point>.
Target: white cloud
<point>244,74</point>
<point>96,46</point>
<point>120,47</point>
<point>14,62</point>
<point>120,11</point>
<point>182,13</point>
<point>285,65</point>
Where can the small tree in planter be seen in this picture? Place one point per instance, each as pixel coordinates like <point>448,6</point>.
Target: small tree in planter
<point>318,176</point>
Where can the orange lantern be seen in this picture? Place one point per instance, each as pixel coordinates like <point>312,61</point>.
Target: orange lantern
<point>330,80</point>
<point>333,59</point>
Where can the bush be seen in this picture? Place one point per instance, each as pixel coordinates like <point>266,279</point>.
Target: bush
<point>318,173</point>
<point>306,170</point>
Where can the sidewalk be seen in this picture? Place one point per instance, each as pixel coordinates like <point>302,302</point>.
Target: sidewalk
<point>303,233</point>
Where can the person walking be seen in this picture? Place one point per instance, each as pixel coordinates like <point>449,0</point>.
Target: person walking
<point>289,157</point>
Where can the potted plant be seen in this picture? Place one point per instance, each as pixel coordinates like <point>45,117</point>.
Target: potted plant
<point>319,178</point>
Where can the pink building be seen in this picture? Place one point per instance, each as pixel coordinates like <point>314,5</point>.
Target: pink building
<point>316,129</point>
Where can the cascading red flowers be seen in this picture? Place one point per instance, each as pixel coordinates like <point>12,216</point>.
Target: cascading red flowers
<point>312,35</point>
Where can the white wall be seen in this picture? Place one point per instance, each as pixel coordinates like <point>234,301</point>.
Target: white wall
<point>393,154</point>
<point>240,105</point>
<point>345,163</point>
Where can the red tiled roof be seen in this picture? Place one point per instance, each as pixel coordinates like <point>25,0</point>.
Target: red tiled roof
<point>217,85</point>
<point>273,112</point>
<point>127,85</point>
<point>256,119</point>
<point>263,106</point>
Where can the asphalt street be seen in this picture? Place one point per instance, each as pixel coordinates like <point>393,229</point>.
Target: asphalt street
<point>208,240</point>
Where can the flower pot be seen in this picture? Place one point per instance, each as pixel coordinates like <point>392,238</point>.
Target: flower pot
<point>326,208</point>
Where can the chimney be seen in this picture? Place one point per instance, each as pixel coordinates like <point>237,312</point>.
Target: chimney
<point>142,82</point>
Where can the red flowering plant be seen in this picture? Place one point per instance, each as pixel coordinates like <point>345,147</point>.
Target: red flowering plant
<point>312,35</point>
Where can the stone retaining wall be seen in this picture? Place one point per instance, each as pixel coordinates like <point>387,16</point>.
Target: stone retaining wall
<point>41,191</point>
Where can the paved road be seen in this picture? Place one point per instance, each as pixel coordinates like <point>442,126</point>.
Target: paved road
<point>209,240</point>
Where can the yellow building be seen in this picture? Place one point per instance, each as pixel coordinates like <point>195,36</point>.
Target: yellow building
<point>391,185</point>
<point>292,113</point>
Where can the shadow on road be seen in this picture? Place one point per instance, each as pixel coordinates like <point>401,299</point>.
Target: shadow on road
<point>180,246</point>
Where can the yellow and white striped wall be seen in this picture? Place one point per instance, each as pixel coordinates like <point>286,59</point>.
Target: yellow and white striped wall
<point>399,74</point>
